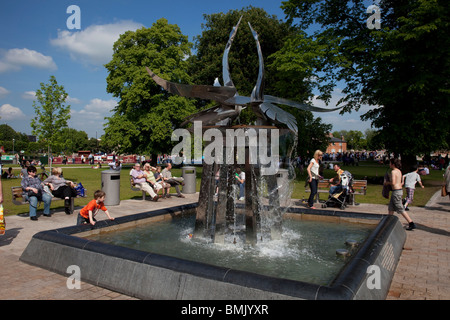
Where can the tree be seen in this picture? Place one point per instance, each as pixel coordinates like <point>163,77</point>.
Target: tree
<point>51,115</point>
<point>402,68</point>
<point>146,114</point>
<point>71,140</point>
<point>354,138</point>
<point>7,134</point>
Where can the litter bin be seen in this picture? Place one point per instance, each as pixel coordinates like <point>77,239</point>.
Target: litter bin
<point>111,186</point>
<point>189,174</point>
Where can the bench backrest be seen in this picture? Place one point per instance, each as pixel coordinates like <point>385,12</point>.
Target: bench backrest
<point>360,186</point>
<point>17,196</point>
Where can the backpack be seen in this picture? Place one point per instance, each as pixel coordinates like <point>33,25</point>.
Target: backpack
<point>81,191</point>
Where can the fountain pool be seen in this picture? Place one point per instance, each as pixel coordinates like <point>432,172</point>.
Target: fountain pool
<point>305,252</point>
<point>289,271</point>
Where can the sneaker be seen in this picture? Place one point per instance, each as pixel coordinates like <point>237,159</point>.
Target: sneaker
<point>411,226</point>
<point>34,218</point>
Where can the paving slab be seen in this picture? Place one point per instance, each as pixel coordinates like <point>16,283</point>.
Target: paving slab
<point>421,274</point>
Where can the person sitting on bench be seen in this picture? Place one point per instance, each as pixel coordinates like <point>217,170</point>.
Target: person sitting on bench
<point>336,181</point>
<point>61,188</point>
<point>33,191</point>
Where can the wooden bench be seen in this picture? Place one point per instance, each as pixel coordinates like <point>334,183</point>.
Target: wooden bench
<point>134,188</point>
<point>359,188</point>
<point>18,198</point>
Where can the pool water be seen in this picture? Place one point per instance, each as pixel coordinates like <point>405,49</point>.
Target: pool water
<point>306,251</point>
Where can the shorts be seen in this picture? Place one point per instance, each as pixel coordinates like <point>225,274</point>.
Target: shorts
<point>83,220</point>
<point>396,201</point>
<point>409,195</point>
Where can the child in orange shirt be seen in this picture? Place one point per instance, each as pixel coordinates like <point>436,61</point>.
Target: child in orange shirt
<point>88,213</point>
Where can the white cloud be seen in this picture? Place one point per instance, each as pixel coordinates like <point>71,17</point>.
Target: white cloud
<point>347,121</point>
<point>94,44</point>
<point>10,113</point>
<point>3,92</point>
<point>29,95</point>
<point>99,106</point>
<point>69,99</point>
<point>92,117</point>
<point>15,59</point>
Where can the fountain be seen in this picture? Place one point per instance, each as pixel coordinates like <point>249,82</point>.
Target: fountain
<point>223,221</point>
<point>258,153</point>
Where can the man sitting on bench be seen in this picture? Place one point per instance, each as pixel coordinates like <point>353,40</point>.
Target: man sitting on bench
<point>140,182</point>
<point>336,181</point>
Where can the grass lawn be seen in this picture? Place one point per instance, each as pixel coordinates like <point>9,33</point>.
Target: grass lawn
<point>91,180</point>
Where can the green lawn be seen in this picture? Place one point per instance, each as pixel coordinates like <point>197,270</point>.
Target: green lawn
<point>91,179</point>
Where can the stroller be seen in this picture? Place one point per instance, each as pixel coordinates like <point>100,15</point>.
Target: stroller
<point>341,198</point>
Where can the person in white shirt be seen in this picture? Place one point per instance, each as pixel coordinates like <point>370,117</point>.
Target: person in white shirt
<point>117,165</point>
<point>409,180</point>
<point>240,179</point>
<point>313,176</point>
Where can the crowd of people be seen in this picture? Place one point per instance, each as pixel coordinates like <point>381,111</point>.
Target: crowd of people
<point>152,180</point>
<point>394,183</point>
<point>157,183</point>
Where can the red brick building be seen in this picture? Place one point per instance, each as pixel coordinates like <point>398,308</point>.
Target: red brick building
<point>336,145</point>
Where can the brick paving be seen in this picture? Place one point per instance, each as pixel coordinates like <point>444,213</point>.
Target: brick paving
<point>422,273</point>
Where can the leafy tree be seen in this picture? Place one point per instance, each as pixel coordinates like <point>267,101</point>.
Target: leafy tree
<point>71,140</point>
<point>312,133</point>
<point>51,113</point>
<point>7,134</point>
<point>403,68</point>
<point>355,139</point>
<point>146,114</point>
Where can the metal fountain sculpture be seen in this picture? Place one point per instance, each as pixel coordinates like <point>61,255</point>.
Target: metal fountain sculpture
<point>214,218</point>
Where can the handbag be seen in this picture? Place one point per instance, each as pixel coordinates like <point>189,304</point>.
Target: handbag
<point>444,191</point>
<point>34,194</point>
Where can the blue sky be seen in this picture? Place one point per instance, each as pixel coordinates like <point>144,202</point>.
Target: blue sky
<point>36,43</point>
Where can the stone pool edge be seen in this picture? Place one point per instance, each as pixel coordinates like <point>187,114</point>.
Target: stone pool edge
<point>151,276</point>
